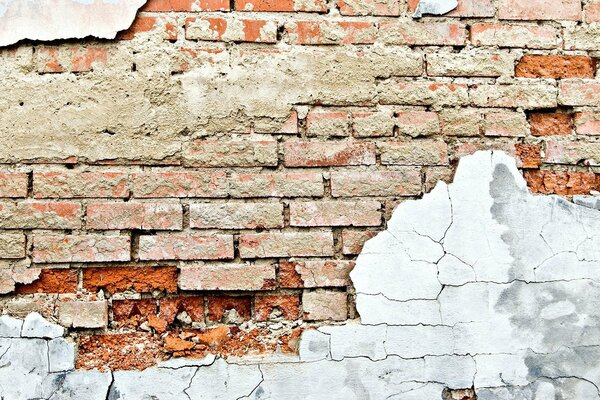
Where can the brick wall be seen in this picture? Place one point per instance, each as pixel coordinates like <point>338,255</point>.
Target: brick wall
<point>204,182</point>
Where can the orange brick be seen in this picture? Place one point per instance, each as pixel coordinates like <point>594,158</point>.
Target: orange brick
<point>185,5</point>
<point>281,5</point>
<point>140,279</point>
<point>221,306</point>
<point>286,306</point>
<point>13,184</point>
<point>143,24</point>
<point>529,154</point>
<point>331,32</point>
<point>555,66</point>
<point>84,59</point>
<point>52,281</point>
<point>546,124</point>
<point>565,183</point>
<point>231,30</point>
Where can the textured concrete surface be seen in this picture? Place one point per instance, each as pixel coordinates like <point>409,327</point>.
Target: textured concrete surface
<point>479,283</point>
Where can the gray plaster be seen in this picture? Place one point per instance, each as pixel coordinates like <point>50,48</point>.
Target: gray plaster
<point>478,284</point>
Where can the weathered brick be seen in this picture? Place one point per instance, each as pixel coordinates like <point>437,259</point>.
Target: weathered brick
<point>228,309</point>
<point>529,155</point>
<point>540,9</point>
<point>417,123</point>
<point>528,96</point>
<point>561,152</point>
<point>140,279</point>
<point>466,8</point>
<point>327,123</point>
<point>505,35</point>
<point>231,153</point>
<point>470,63</point>
<point>592,11</point>
<point>405,181</point>
<point>148,216</point>
<point>184,247</point>
<point>434,175</point>
<point>462,122</point>
<point>185,5</point>
<point>83,314</point>
<point>52,281</point>
<point>286,244</point>
<point>324,154</point>
<point>331,32</point>
<point>236,215</point>
<point>564,183</point>
<point>132,312</point>
<point>180,184</point>
<point>555,66</point>
<point>313,274</point>
<point>164,26</point>
<point>579,93</point>
<point>47,60</point>
<point>405,32</point>
<point>281,5</point>
<point>171,307</point>
<point>40,215</point>
<point>228,277</point>
<point>13,184</point>
<point>547,124</point>
<point>80,248</point>
<point>421,152</point>
<point>85,59</point>
<point>231,30</point>
<point>335,213</point>
<point>505,123</point>
<point>353,241</point>
<point>275,306</point>
<point>326,305</point>
<point>302,184</point>
<point>372,124</point>
<point>369,7</point>
<point>587,123</point>
<point>423,93</point>
<point>12,245</point>
<point>80,184</point>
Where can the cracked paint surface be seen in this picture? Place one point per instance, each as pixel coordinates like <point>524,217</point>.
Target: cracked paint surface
<point>64,19</point>
<point>478,284</point>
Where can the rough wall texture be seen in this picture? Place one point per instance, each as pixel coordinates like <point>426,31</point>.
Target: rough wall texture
<point>202,184</point>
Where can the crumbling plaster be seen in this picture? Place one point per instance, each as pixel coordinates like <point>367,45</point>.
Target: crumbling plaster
<point>479,283</point>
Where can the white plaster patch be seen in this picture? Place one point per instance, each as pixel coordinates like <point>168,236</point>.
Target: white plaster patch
<point>64,19</point>
<point>434,7</point>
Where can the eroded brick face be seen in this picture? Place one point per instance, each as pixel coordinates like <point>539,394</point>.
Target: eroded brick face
<point>222,164</point>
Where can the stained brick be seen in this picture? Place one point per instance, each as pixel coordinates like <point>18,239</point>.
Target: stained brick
<point>540,9</point>
<point>275,306</point>
<point>505,123</point>
<point>83,314</point>
<point>52,281</point>
<point>331,32</point>
<point>12,245</point>
<point>281,5</point>
<point>153,216</point>
<point>424,93</point>
<point>405,32</point>
<point>40,215</point>
<point>80,184</point>
<point>462,122</point>
<point>555,66</point>
<point>335,213</point>
<point>313,274</point>
<point>417,123</point>
<point>373,124</point>
<point>184,247</point>
<point>369,7</point>
<point>231,153</point>
<point>236,215</point>
<point>562,152</point>
<point>471,63</point>
<point>353,241</point>
<point>327,123</point>
<point>141,279</point>
<point>423,152</point>
<point>180,184</point>
<point>528,96</point>
<point>13,184</point>
<point>83,59</point>
<point>323,154</point>
<point>301,184</point>
<point>228,277</point>
<point>579,93</point>
<point>592,11</point>
<point>231,30</point>
<point>326,305</point>
<point>80,248</point>
<point>507,35</point>
<point>286,244</point>
<point>402,182</point>
<point>547,124</point>
<point>587,123</point>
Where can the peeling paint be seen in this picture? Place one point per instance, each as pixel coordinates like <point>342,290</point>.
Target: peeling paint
<point>434,7</point>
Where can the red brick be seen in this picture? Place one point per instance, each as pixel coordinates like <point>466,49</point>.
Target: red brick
<point>565,183</point>
<point>13,184</point>
<point>369,7</point>
<point>587,123</point>
<point>220,307</point>
<point>540,9</point>
<point>236,215</point>
<point>80,248</point>
<point>325,154</point>
<point>281,5</point>
<point>231,30</point>
<point>52,281</point>
<point>403,32</point>
<point>183,247</point>
<point>228,277</point>
<point>466,8</point>
<point>185,5</point>
<point>180,184</point>
<point>313,274</point>
<point>170,307</point>
<point>301,184</point>
<point>139,279</point>
<point>529,154</point>
<point>286,244</point>
<point>335,213</point>
<point>231,153</point>
<point>547,124</point>
<point>148,216</point>
<point>327,123</point>
<point>353,241</point>
<point>144,24</point>
<point>286,306</point>
<point>555,66</point>
<point>40,215</point>
<point>505,35</point>
<point>133,312</point>
<point>80,184</point>
<point>119,351</point>
<point>83,59</point>
<point>403,182</point>
<point>331,32</point>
